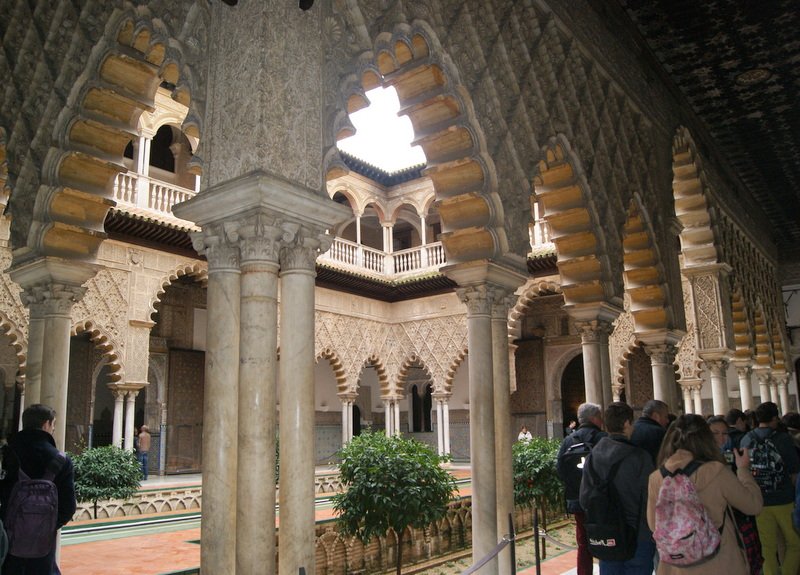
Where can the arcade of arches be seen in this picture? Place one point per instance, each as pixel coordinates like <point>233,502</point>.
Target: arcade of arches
<point>184,246</point>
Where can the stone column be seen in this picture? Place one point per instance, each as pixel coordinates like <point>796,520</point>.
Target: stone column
<point>33,369</point>
<point>388,414</point>
<point>297,275</point>
<point>439,425</point>
<point>783,392</point>
<point>687,399</point>
<point>346,415</point>
<point>773,391</point>
<point>481,421</point>
<point>605,365</point>
<point>130,407</point>
<point>221,404</point>
<point>661,361</point>
<point>446,425</point>
<point>762,376</point>
<point>396,418</point>
<point>56,285</point>
<point>719,387</point>
<point>698,399</point>
<point>258,238</point>
<point>501,303</point>
<point>116,433</point>
<point>744,373</point>
<point>592,333</point>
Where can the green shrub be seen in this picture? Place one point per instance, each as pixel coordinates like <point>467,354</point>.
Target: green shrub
<point>103,473</point>
<point>535,479</point>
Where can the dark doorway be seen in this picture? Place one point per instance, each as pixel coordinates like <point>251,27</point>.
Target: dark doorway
<point>573,389</point>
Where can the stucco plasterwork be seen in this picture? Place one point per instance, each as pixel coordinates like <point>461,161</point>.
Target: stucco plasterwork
<point>620,342</point>
<point>437,343</point>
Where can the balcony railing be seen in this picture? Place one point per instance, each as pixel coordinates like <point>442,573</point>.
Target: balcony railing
<point>404,263</point>
<point>155,198</point>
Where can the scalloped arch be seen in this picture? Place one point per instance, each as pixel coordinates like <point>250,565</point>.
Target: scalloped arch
<point>105,344</point>
<point>197,270</point>
<point>410,59</point>
<point>17,340</point>
<point>563,192</point>
<point>407,364</point>
<point>644,277</point>
<point>338,369</point>
<point>532,292</point>
<point>698,238</point>
<point>124,71</point>
<point>447,388</point>
<point>383,377</point>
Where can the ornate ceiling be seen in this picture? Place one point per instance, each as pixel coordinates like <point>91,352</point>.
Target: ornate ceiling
<point>737,63</point>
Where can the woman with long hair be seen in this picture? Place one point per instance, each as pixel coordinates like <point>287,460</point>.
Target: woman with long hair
<point>689,439</point>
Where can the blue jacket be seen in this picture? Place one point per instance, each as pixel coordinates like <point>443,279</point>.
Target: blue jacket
<point>648,434</point>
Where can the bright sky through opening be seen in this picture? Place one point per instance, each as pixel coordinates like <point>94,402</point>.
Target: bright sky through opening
<point>382,138</point>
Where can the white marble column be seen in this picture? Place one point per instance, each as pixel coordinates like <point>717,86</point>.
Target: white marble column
<point>446,425</point>
<point>396,418</point>
<point>130,408</point>
<point>605,365</point>
<point>591,344</point>
<point>33,362</point>
<point>54,285</point>
<point>719,388</point>
<point>501,303</point>
<point>762,376</point>
<point>744,374</point>
<point>783,392</point>
<point>481,422</point>
<point>687,399</point>
<point>439,425</point>
<point>116,432</point>
<point>296,545</point>
<point>221,401</point>
<point>698,399</point>
<point>259,245</point>
<point>347,413</point>
<point>388,414</point>
<point>661,362</point>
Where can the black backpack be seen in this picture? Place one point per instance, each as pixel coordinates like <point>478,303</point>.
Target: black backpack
<point>570,467</point>
<point>609,535</point>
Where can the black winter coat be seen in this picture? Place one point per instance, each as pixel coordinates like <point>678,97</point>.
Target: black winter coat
<point>648,434</point>
<point>33,449</point>
<point>631,481</point>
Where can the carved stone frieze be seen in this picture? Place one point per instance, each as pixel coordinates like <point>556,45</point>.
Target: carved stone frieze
<point>707,312</point>
<point>106,304</point>
<point>621,340</point>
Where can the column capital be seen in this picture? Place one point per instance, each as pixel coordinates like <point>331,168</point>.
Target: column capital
<point>221,251</point>
<point>477,299</point>
<point>259,237</point>
<point>301,246</point>
<point>716,365</point>
<point>595,330</point>
<point>743,369</point>
<point>50,285</point>
<point>661,353</point>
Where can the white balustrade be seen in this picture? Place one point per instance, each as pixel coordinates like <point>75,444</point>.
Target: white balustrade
<point>360,258</point>
<point>125,188</point>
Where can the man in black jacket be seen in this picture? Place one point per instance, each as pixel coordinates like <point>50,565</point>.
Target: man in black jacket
<point>650,429</point>
<point>33,449</point>
<point>590,418</point>
<point>630,483</point>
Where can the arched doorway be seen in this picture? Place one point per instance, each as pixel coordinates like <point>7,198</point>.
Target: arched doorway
<point>573,389</point>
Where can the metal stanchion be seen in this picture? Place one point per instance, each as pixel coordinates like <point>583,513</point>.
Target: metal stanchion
<point>536,540</point>
<point>512,535</point>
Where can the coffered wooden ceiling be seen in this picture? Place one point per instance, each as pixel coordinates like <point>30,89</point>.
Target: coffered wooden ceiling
<point>737,63</point>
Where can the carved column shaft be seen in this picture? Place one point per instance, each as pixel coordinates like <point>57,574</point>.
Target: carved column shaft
<point>501,303</point>
<point>116,432</point>
<point>698,399</point>
<point>258,242</point>
<point>783,393</point>
<point>744,374</point>
<point>33,370</point>
<point>687,399</point>
<point>130,409</point>
<point>221,404</point>
<point>661,362</point>
<point>297,406</point>
<point>593,334</point>
<point>719,387</point>
<point>481,415</point>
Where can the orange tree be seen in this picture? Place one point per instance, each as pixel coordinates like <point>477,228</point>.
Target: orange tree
<point>390,483</point>
<point>536,482</point>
